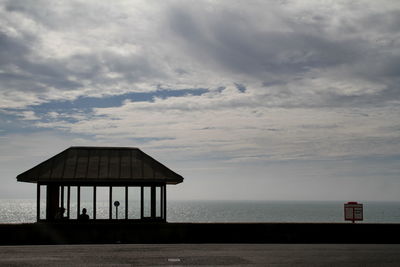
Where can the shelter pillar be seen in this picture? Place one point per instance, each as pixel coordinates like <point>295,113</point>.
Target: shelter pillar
<point>165,201</point>
<point>162,202</point>
<point>78,193</point>
<point>110,203</point>
<point>94,202</point>
<point>62,196</point>
<point>141,202</point>
<point>52,198</point>
<point>126,202</point>
<point>153,202</point>
<point>38,202</point>
<point>68,201</point>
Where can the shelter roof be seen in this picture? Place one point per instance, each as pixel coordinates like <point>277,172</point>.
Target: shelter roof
<point>101,165</point>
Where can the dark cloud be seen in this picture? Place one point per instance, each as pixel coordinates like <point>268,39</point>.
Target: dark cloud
<point>240,87</point>
<point>11,48</point>
<point>240,45</point>
<point>280,51</point>
<point>72,15</point>
<point>383,22</point>
<point>25,71</point>
<point>245,46</point>
<point>378,99</point>
<point>21,73</point>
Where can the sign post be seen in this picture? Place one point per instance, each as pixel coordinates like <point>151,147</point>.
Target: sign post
<point>353,211</point>
<point>116,204</point>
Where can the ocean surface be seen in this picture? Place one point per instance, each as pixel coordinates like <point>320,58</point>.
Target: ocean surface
<point>24,210</point>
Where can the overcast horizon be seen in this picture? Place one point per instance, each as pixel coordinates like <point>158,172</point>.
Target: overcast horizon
<point>247,100</point>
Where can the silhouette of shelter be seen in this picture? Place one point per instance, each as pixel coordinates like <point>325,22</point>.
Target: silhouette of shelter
<point>95,167</point>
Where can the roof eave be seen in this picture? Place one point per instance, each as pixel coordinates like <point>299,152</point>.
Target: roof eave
<point>122,182</point>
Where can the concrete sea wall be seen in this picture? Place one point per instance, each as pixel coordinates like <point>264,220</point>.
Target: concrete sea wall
<point>125,232</point>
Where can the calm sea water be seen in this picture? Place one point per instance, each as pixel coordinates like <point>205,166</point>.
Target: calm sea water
<point>24,210</point>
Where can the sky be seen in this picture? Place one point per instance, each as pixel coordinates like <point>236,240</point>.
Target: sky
<point>247,100</point>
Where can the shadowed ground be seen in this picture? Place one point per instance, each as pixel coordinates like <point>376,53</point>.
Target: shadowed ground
<point>203,255</point>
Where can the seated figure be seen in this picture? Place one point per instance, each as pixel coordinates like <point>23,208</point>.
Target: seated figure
<point>60,214</point>
<point>83,216</point>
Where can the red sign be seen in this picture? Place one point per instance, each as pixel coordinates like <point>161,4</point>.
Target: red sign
<point>353,211</point>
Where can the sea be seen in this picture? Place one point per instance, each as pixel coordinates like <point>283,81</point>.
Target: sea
<point>24,211</point>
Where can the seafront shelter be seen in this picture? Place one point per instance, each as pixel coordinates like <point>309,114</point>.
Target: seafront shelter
<point>102,167</point>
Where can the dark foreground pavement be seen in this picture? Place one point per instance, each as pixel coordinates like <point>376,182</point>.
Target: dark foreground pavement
<point>202,255</point>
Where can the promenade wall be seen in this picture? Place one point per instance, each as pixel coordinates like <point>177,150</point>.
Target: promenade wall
<point>125,232</point>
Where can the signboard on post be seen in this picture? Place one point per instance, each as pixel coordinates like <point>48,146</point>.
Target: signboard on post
<point>353,211</point>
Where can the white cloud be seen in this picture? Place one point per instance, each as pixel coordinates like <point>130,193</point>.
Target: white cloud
<point>29,115</point>
<point>237,126</point>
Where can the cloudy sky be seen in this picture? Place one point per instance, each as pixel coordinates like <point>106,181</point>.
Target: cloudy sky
<point>271,100</point>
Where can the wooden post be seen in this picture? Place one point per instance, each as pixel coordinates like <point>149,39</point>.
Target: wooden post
<point>52,198</point>
<point>141,202</point>
<point>165,202</point>
<point>153,202</point>
<point>162,201</point>
<point>110,203</point>
<point>94,202</point>
<point>68,201</point>
<point>62,196</point>
<point>38,202</point>
<point>78,193</point>
<point>126,202</point>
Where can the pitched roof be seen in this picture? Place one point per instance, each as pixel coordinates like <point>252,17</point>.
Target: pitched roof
<point>116,165</point>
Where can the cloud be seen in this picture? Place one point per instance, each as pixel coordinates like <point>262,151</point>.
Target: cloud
<point>234,126</point>
<point>227,83</point>
<point>66,50</point>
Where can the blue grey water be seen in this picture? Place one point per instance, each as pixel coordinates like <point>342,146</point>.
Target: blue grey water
<point>24,210</point>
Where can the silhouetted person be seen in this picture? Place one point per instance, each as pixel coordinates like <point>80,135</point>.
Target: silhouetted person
<point>60,214</point>
<point>83,216</point>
